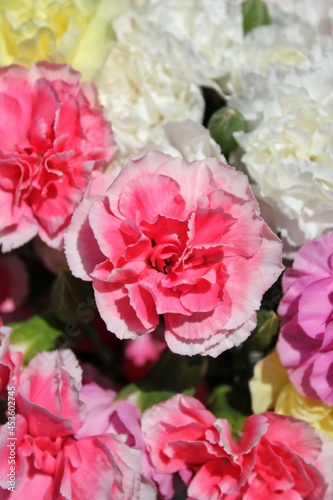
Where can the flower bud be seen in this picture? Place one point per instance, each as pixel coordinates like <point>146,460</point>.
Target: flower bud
<point>222,125</point>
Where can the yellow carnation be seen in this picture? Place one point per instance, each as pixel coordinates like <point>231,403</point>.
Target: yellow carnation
<point>268,380</point>
<point>271,389</point>
<point>315,413</point>
<point>76,32</point>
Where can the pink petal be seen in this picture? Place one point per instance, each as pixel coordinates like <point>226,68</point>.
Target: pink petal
<point>149,196</point>
<point>81,248</point>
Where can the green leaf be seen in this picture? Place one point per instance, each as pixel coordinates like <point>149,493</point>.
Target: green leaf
<point>223,403</point>
<point>255,13</point>
<point>222,125</point>
<point>172,374</point>
<point>150,398</point>
<point>266,330</point>
<point>72,299</point>
<point>35,335</point>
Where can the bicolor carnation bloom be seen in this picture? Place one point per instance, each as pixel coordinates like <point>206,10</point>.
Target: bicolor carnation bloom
<point>65,448</point>
<point>180,240</point>
<point>275,457</point>
<point>305,343</point>
<point>53,135</point>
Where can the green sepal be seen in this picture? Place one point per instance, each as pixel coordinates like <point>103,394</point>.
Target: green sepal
<point>265,332</point>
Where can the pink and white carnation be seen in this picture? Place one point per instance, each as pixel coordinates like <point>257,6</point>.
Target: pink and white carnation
<point>276,456</point>
<point>305,343</point>
<point>180,240</point>
<point>53,135</point>
<point>14,283</point>
<point>52,457</point>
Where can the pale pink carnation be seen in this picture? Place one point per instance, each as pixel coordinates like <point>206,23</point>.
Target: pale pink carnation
<point>305,343</point>
<point>275,457</point>
<point>52,458</point>
<point>52,136</point>
<point>180,240</point>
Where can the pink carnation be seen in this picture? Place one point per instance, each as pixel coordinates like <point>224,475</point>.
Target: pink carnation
<point>52,457</point>
<point>305,343</point>
<point>52,136</point>
<point>180,240</point>
<point>276,456</point>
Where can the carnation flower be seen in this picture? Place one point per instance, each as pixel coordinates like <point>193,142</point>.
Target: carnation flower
<point>53,136</point>
<point>305,344</point>
<point>56,454</point>
<point>271,390</point>
<point>289,157</point>
<point>141,91</point>
<point>276,50</point>
<point>316,414</point>
<point>65,31</point>
<point>319,13</point>
<point>275,455</point>
<point>180,240</point>
<point>188,36</point>
<point>273,58</point>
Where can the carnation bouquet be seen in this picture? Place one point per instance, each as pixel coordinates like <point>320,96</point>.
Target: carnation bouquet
<point>166,236</point>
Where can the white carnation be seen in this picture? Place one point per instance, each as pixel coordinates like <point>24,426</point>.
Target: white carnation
<point>274,50</point>
<point>290,158</point>
<point>200,39</point>
<point>274,56</point>
<point>319,12</point>
<point>141,91</point>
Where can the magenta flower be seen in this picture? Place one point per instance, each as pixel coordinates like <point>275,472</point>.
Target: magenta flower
<point>276,456</point>
<point>180,240</point>
<point>305,343</point>
<point>52,136</point>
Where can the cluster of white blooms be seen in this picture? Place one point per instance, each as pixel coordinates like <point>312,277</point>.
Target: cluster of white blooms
<point>285,92</point>
<point>165,51</point>
<point>289,156</point>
